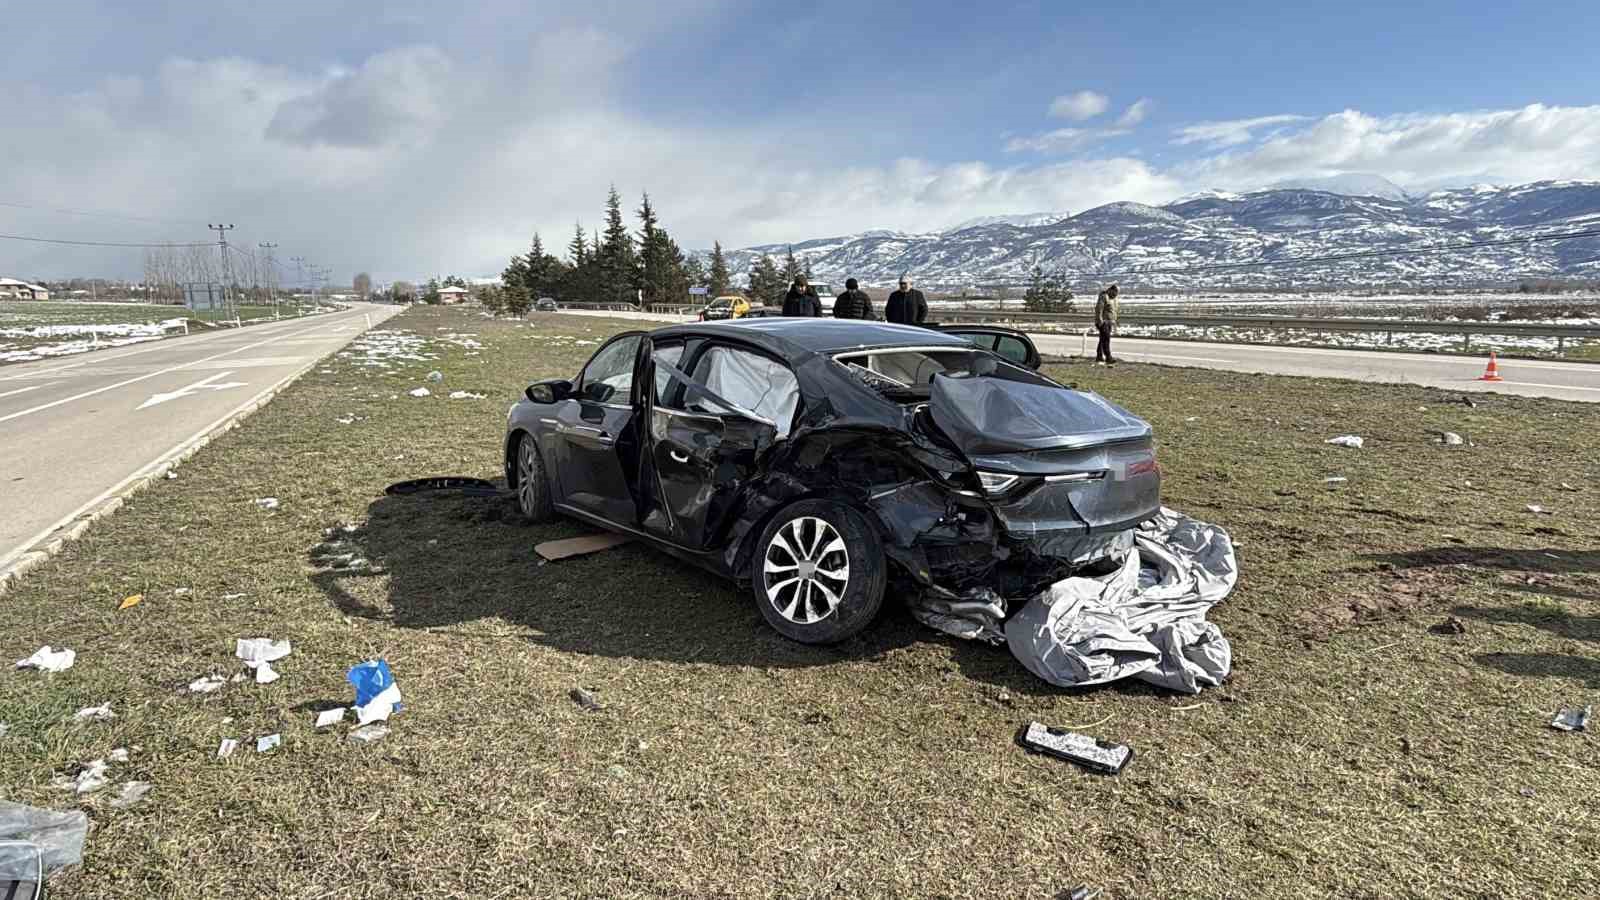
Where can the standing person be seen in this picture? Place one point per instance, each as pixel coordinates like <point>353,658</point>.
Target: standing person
<point>802,299</point>
<point>907,305</point>
<point>853,303</point>
<point>1105,319</point>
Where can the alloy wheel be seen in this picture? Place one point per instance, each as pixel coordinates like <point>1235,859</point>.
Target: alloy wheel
<point>806,570</point>
<point>528,476</point>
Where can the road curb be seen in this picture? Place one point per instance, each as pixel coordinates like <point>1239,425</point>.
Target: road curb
<point>58,538</point>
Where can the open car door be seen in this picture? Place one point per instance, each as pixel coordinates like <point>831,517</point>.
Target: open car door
<point>699,450</point>
<point>1007,342</point>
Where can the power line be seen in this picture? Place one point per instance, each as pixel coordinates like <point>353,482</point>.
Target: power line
<point>104,214</point>
<point>40,240</point>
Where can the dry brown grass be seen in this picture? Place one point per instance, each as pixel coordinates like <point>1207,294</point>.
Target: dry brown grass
<point>1353,754</point>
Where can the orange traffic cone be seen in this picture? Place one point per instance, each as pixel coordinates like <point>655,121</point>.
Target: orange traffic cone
<point>1492,373</point>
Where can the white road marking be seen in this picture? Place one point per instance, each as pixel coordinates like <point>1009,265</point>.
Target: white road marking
<point>26,389</point>
<point>101,390</point>
<point>187,390</point>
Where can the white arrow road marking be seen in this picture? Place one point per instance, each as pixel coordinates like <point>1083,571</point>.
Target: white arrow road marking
<point>204,383</point>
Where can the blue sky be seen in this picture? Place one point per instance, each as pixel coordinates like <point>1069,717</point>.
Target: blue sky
<point>407,138</point>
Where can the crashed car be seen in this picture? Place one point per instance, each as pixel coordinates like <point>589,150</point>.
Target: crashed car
<point>821,460</point>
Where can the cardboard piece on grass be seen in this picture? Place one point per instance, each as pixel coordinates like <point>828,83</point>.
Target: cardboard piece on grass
<point>566,548</point>
<point>1571,720</point>
<point>329,717</point>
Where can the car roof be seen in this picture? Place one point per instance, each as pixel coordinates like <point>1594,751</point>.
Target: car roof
<point>817,335</point>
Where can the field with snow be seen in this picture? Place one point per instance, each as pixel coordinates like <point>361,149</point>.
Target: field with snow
<point>32,330</point>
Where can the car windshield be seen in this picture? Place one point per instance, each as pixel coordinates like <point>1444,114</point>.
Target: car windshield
<point>822,287</point>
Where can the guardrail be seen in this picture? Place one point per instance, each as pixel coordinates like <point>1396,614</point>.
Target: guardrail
<point>1298,323</point>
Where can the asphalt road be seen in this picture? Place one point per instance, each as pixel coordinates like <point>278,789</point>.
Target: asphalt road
<point>1528,378</point>
<point>75,431</point>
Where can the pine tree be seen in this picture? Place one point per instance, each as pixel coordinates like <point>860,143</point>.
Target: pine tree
<point>514,275</point>
<point>719,277</point>
<point>766,282</point>
<point>791,268</point>
<point>537,268</point>
<point>694,272</point>
<point>652,258</point>
<point>617,258</point>
<point>578,249</point>
<point>516,299</point>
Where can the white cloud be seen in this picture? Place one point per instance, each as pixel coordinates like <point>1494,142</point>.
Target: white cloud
<point>1135,113</point>
<point>1231,132</point>
<point>1062,140</point>
<point>1079,105</point>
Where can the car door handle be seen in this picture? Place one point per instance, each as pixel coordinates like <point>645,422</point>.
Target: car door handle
<point>599,434</point>
<point>678,456</point>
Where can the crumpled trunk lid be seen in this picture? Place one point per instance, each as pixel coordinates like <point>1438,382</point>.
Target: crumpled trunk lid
<point>988,415</point>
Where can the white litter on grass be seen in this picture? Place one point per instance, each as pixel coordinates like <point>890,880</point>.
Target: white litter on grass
<point>1538,510</point>
<point>1346,440</point>
<point>101,713</point>
<point>346,420</point>
<point>434,377</point>
<point>90,779</point>
<point>1571,719</point>
<point>369,733</point>
<point>1450,439</point>
<point>171,475</point>
<point>132,792</point>
<point>265,673</point>
<point>1567,487</point>
<point>179,592</point>
<point>226,748</point>
<point>47,660</point>
<point>4,727</point>
<point>268,503</point>
<point>268,742</point>
<point>254,650</point>
<point>1335,479</point>
<point>207,684</point>
<point>119,755</point>
<point>329,717</point>
<point>420,392</point>
<point>466,395</point>
<point>380,707</point>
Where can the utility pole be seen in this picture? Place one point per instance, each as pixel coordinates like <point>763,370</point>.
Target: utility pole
<point>272,274</point>
<point>227,269</point>
<point>299,275</point>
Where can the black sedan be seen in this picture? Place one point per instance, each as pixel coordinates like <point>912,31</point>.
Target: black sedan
<point>819,460</point>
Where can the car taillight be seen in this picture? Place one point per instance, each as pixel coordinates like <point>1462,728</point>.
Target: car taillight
<point>1144,466</point>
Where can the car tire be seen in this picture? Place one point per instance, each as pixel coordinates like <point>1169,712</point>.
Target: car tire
<point>819,572</point>
<point>533,485</point>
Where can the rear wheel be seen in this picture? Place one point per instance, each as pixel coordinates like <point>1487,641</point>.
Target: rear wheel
<point>820,574</point>
<point>533,487</point>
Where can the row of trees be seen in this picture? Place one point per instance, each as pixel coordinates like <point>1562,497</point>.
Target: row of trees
<point>613,266</point>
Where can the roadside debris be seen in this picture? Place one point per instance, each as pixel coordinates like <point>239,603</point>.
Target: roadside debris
<point>171,475</point>
<point>1448,438</point>
<point>1571,720</point>
<point>132,792</point>
<point>48,660</point>
<point>268,742</point>
<point>1568,487</point>
<point>90,778</point>
<point>420,392</point>
<point>268,503</point>
<point>585,699</point>
<point>226,748</point>
<point>976,615</point>
<point>1335,479</point>
<point>551,551</point>
<point>467,395</point>
<point>258,654</point>
<point>369,733</point>
<point>119,755</point>
<point>435,377</point>
<point>101,713</point>
<point>1095,755</point>
<point>329,717</point>
<point>1346,440</point>
<point>1145,620</point>
<point>127,602</point>
<point>58,835</point>
<point>1081,892</point>
<point>1450,625</point>
<point>1538,510</point>
<point>377,695</point>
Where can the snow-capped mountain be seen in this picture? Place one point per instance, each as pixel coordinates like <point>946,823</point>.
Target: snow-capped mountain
<point>1026,220</point>
<point>1171,245</point>
<point>1351,184</point>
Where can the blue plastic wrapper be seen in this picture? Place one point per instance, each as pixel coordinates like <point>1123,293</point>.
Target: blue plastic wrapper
<point>373,679</point>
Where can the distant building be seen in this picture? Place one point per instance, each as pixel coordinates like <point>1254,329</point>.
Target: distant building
<point>12,289</point>
<point>452,294</point>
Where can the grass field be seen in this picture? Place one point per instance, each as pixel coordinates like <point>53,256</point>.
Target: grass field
<point>31,330</point>
<point>1355,752</point>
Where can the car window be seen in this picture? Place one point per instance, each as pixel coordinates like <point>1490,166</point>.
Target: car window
<point>612,367</point>
<point>911,367</point>
<point>1012,348</point>
<point>755,383</point>
<point>670,354</point>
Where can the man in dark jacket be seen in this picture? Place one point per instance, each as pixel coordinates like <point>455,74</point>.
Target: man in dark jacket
<point>802,300</point>
<point>853,303</point>
<point>907,305</point>
<point>1105,321</point>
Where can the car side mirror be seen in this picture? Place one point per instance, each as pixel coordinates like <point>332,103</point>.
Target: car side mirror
<point>549,391</point>
<point>598,392</point>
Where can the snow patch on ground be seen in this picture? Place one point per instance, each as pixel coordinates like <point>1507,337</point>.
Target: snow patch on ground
<point>86,337</point>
